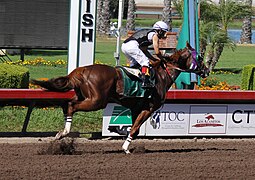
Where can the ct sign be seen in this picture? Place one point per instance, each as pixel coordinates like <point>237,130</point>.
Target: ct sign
<point>82,33</point>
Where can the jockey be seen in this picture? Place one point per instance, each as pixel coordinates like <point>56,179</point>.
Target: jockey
<point>136,49</point>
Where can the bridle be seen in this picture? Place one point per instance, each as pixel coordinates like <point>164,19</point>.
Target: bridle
<point>193,66</point>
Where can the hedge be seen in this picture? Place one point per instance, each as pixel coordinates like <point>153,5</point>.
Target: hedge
<point>248,77</point>
<point>13,76</point>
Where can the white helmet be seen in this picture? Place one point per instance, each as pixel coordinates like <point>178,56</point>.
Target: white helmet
<point>160,25</point>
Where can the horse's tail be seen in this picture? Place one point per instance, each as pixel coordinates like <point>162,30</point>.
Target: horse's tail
<point>60,84</point>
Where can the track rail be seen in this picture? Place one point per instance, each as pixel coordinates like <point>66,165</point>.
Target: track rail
<point>210,96</point>
<point>33,98</point>
<point>41,98</point>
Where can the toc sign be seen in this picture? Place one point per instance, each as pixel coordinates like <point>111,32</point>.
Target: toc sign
<point>81,47</point>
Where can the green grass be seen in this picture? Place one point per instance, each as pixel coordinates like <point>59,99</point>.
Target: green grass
<point>48,120</point>
<point>105,48</point>
<point>238,58</point>
<point>46,72</point>
<point>234,61</point>
<point>231,79</point>
<point>237,24</point>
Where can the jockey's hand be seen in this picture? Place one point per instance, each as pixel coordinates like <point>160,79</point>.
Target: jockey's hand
<point>164,59</point>
<point>155,63</point>
<point>166,56</point>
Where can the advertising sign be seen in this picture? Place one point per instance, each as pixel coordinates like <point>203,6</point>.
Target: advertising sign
<point>207,119</point>
<point>169,120</point>
<point>186,120</point>
<point>241,120</point>
<point>118,118</point>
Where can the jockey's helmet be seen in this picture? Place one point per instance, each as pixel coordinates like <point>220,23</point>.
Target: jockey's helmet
<point>160,25</point>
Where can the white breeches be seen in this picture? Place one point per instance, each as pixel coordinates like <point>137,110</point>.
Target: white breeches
<point>134,53</point>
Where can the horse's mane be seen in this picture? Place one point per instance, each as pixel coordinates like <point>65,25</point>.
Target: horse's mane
<point>176,55</point>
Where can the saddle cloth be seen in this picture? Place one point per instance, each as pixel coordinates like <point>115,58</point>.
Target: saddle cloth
<point>133,83</point>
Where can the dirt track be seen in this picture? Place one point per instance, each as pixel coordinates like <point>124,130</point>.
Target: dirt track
<point>151,159</point>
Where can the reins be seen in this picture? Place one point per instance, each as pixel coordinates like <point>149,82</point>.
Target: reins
<point>192,68</point>
<point>178,69</point>
<point>164,66</point>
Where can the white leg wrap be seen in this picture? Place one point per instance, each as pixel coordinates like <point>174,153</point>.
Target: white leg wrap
<point>68,124</point>
<point>126,144</point>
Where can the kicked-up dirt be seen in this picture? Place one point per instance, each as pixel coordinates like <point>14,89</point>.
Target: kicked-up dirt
<point>35,158</point>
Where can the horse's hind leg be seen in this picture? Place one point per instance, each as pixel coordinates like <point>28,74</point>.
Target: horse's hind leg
<point>89,104</point>
<point>68,115</point>
<point>68,122</point>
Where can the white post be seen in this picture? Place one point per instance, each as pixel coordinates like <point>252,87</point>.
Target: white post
<point>192,31</point>
<point>117,53</point>
<point>192,24</point>
<point>82,33</point>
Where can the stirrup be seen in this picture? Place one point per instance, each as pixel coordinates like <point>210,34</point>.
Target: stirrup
<point>146,84</point>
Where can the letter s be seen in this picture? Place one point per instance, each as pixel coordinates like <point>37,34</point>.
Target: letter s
<point>87,20</point>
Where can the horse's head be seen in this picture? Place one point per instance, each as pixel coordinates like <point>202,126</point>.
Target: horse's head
<point>188,60</point>
<point>197,63</point>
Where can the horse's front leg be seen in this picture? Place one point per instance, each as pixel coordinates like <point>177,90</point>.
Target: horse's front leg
<point>68,115</point>
<point>138,120</point>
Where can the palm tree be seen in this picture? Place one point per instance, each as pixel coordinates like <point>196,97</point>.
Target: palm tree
<point>222,14</point>
<point>246,28</point>
<point>207,27</point>
<point>103,17</point>
<point>99,14</point>
<point>178,4</point>
<point>215,19</point>
<point>131,16</point>
<point>166,15</point>
<point>211,40</point>
<point>229,10</point>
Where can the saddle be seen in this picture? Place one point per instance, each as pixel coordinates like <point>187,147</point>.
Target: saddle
<point>133,83</point>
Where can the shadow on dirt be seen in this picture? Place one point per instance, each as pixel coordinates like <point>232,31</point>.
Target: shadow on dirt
<point>67,146</point>
<point>143,150</point>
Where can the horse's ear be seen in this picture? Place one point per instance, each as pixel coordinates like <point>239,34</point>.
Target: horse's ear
<point>189,46</point>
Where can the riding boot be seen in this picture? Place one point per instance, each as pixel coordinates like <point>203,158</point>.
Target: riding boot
<point>146,84</point>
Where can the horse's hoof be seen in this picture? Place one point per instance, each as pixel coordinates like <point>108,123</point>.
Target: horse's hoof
<point>59,135</point>
<point>127,151</point>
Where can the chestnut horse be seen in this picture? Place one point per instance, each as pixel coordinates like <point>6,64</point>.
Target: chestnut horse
<point>96,85</point>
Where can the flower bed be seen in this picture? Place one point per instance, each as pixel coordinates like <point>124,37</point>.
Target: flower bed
<point>40,61</point>
<point>215,84</point>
